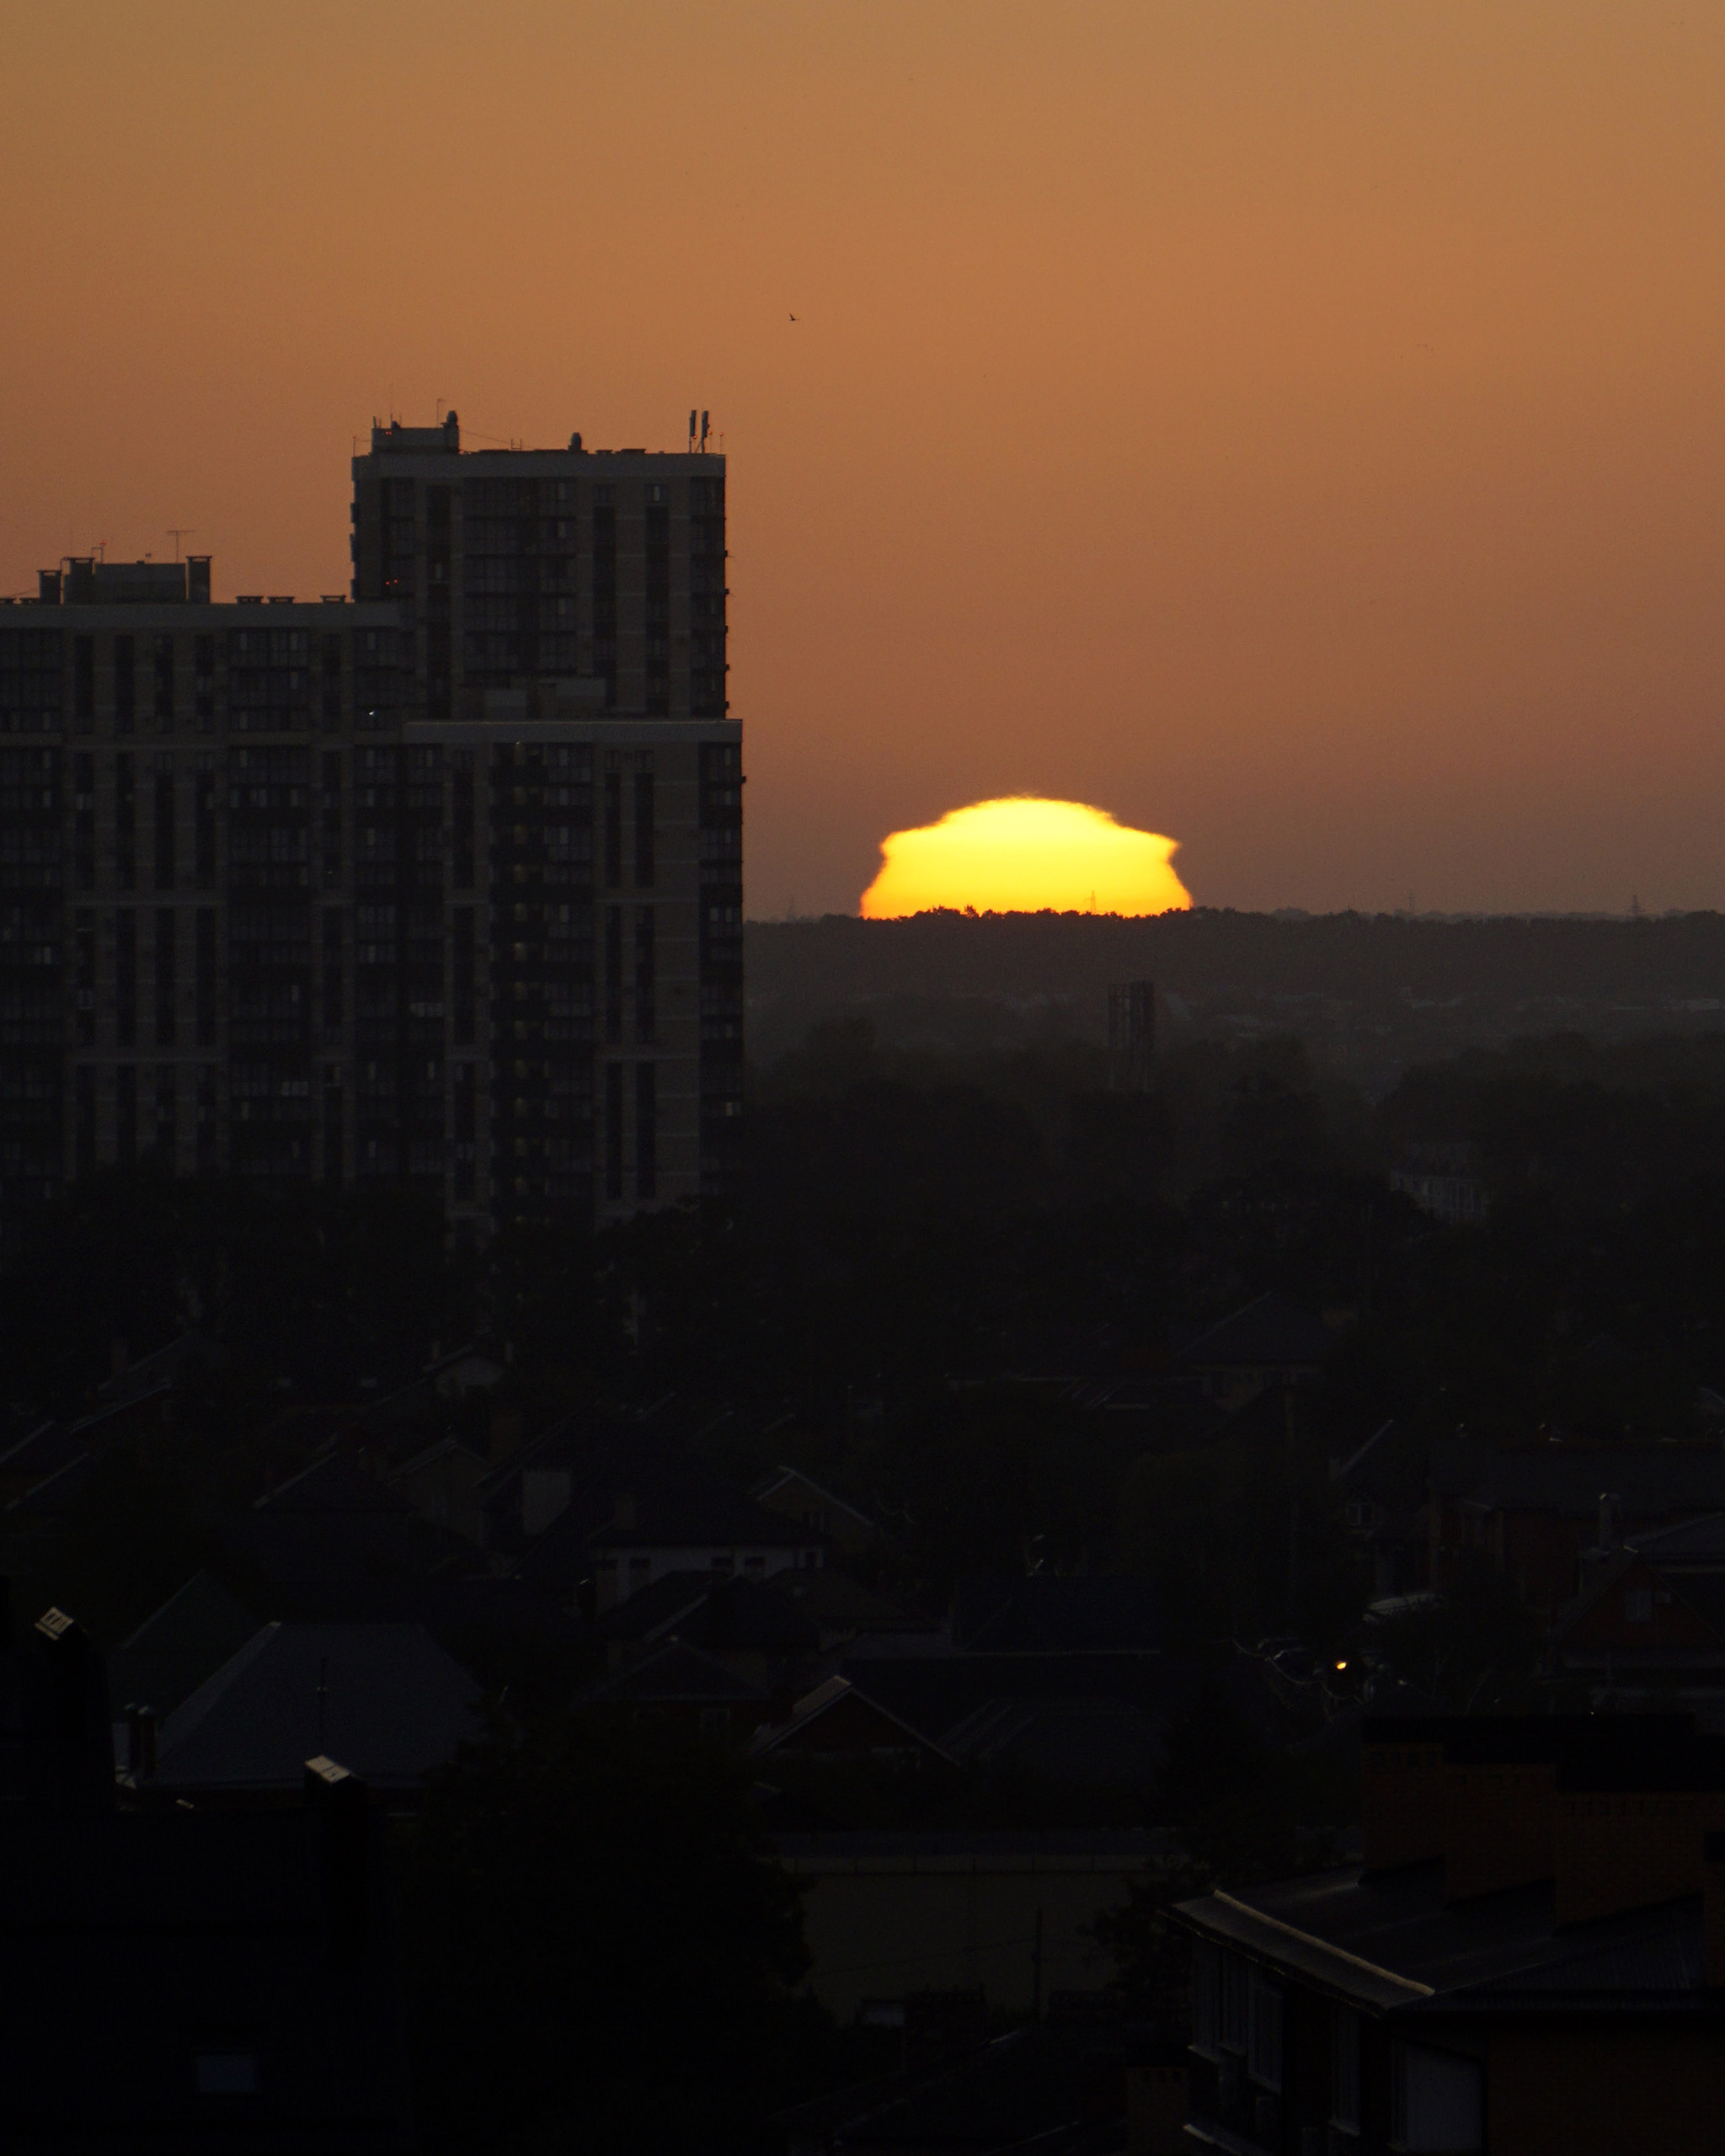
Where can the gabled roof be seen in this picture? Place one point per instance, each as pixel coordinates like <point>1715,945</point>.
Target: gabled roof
<point>1089,1741</point>
<point>1649,1482</point>
<point>385,1696</point>
<point>1391,1940</point>
<point>1273,1332</point>
<point>688,1508</point>
<point>1689,1541</point>
<point>440,1449</point>
<point>679,1675</point>
<point>59,1489</point>
<point>184,1643</point>
<point>935,1693</point>
<point>155,1373</point>
<point>1390,1466</point>
<point>770,1485</point>
<point>43,1452</point>
<point>718,1614</point>
<point>838,1603</point>
<point>655,1609</point>
<point>333,1484</point>
<point>1049,1612</point>
<point>832,1693</point>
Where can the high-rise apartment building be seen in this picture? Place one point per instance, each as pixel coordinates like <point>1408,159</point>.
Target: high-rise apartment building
<point>440,880</point>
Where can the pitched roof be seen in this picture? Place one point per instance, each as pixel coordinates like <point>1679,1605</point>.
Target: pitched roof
<point>182,1643</point>
<point>333,1484</point>
<point>385,1696</point>
<point>1688,1542</point>
<point>1046,1613</point>
<point>769,1486</point>
<point>715,1613</point>
<point>47,1448</point>
<point>1079,1741</point>
<point>59,1488</point>
<point>153,1375</point>
<point>656,1608</point>
<point>935,1693</point>
<point>838,1603</point>
<point>1392,1941</point>
<point>1273,1332</point>
<point>690,1509</point>
<point>679,1675</point>
<point>1647,1481</point>
<point>831,1692</point>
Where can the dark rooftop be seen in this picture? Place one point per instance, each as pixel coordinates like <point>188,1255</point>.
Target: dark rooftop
<point>1274,1332</point>
<point>1047,1613</point>
<point>385,1696</point>
<point>184,1643</point>
<point>1391,1940</point>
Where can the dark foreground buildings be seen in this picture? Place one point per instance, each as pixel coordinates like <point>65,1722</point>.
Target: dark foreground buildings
<point>1530,1962</point>
<point>441,879</point>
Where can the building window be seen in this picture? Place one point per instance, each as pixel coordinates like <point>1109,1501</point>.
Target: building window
<point>646,1130</point>
<point>125,1113</point>
<point>1436,2100</point>
<point>1233,1994</point>
<point>125,683</point>
<point>1263,2053</point>
<point>1206,2001</point>
<point>1344,2069</point>
<point>646,973</point>
<point>226,2073</point>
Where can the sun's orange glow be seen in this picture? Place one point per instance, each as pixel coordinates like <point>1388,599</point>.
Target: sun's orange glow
<point>1021,855</point>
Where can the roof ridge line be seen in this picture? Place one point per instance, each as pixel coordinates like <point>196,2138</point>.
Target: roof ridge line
<point>1310,1938</point>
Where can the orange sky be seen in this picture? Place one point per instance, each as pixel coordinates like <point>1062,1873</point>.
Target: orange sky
<point>1294,429</point>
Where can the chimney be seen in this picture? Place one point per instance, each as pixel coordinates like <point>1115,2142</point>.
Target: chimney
<point>1637,1800</point>
<point>1402,1782</point>
<point>47,587</point>
<point>142,1726</point>
<point>339,1832</point>
<point>68,1731</point>
<point>1713,1909</point>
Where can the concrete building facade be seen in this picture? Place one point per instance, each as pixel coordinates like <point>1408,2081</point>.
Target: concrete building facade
<point>441,879</point>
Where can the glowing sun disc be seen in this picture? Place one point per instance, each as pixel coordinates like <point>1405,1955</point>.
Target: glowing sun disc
<point>1020,855</point>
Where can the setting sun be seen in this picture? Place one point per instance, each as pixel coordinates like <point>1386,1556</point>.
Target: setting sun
<point>1021,855</point>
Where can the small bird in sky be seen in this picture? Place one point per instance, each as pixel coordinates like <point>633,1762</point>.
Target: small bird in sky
<point>793,318</point>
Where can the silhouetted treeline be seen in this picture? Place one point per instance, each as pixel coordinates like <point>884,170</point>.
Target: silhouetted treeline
<point>816,964</point>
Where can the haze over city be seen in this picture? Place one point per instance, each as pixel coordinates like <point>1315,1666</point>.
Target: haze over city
<point>1293,430</point>
<point>863,1078</point>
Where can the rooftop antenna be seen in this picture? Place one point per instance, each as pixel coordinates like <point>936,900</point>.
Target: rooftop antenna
<point>176,532</point>
<point>703,433</point>
<point>692,429</point>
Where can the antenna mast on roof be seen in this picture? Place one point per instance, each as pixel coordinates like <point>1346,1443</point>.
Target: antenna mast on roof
<point>176,532</point>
